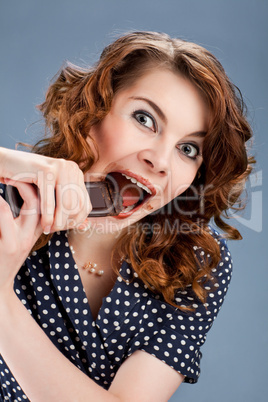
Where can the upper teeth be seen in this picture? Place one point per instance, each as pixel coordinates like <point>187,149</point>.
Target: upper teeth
<point>138,183</point>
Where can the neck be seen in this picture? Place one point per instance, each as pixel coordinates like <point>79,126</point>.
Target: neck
<point>91,245</point>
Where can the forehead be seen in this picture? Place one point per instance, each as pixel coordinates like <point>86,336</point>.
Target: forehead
<point>161,82</point>
<point>176,96</point>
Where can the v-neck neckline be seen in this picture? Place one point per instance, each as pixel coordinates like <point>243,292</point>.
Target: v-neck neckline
<point>68,284</point>
<point>80,282</point>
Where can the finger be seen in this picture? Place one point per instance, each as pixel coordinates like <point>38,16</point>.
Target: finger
<point>29,217</point>
<point>64,207</point>
<point>30,211</point>
<point>28,193</point>
<point>71,206</point>
<point>84,226</point>
<point>81,219</point>
<point>87,201</point>
<point>85,206</point>
<point>7,228</point>
<point>48,204</point>
<point>20,234</point>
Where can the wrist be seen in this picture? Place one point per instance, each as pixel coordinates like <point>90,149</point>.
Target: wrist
<point>3,152</point>
<point>8,300</point>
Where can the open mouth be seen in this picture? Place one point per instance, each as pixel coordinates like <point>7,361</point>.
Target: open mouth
<point>134,191</point>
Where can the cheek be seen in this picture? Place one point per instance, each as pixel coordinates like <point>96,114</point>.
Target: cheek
<point>113,138</point>
<point>105,137</point>
<point>181,180</point>
<point>184,178</point>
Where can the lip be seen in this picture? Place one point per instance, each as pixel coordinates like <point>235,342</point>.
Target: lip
<point>139,178</point>
<point>143,181</point>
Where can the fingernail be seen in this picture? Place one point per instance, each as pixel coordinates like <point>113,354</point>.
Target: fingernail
<point>84,226</point>
<point>46,230</point>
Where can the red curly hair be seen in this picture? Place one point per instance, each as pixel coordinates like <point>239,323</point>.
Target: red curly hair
<point>164,255</point>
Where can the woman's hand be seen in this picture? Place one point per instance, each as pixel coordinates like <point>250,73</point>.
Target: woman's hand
<point>64,201</point>
<point>17,236</point>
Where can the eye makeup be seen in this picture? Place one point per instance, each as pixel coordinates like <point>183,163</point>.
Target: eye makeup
<point>190,150</point>
<point>145,119</point>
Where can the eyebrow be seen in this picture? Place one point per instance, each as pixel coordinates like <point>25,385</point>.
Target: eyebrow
<point>163,117</point>
<point>200,134</point>
<point>153,105</point>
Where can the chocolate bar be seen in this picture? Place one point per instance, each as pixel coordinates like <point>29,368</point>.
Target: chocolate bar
<point>104,199</point>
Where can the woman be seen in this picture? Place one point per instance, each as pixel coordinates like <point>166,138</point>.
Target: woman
<point>127,299</point>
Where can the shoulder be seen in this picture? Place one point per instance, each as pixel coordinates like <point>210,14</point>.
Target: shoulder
<point>225,255</point>
<point>221,275</point>
<point>224,268</point>
<point>192,320</point>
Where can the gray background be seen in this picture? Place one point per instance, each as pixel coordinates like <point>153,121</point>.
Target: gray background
<point>37,36</point>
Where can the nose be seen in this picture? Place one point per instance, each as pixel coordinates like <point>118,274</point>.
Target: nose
<point>157,161</point>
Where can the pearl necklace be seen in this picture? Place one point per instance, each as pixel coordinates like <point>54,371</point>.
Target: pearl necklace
<point>90,266</point>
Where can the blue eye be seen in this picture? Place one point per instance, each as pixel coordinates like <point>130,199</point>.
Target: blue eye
<point>145,119</point>
<point>189,150</point>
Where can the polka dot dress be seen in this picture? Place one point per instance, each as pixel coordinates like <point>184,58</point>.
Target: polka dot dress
<point>131,317</point>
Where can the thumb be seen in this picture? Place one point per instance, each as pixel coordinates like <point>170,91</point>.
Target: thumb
<point>30,211</point>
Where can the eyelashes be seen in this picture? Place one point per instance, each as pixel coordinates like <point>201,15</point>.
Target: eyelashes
<point>188,149</point>
<point>145,119</point>
<point>192,151</point>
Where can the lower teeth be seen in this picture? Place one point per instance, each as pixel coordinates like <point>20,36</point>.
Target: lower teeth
<point>128,209</point>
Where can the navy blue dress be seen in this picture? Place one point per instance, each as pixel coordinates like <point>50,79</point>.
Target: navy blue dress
<point>131,317</point>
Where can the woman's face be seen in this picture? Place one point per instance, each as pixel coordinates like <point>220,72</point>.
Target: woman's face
<point>150,143</point>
